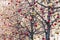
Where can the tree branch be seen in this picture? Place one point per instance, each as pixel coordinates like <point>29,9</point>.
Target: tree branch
<point>56,7</point>
<point>28,2</point>
<point>41,32</point>
<point>42,5</point>
<point>37,29</point>
<point>54,20</point>
<point>40,27</point>
<point>40,16</point>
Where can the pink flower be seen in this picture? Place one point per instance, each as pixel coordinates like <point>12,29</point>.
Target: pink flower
<point>19,10</point>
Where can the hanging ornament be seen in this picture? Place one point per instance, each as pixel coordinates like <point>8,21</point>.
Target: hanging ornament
<point>57,32</point>
<point>34,2</point>
<point>55,24</point>
<point>21,14</point>
<point>36,5</point>
<point>57,16</point>
<point>35,24</point>
<point>31,4</point>
<point>50,13</point>
<point>43,39</point>
<point>41,8</point>
<point>48,21</point>
<point>25,16</point>
<point>56,2</point>
<point>26,33</point>
<point>58,20</point>
<point>19,10</point>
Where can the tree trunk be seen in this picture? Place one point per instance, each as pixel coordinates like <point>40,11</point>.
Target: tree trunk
<point>31,36</point>
<point>32,23</point>
<point>47,33</point>
<point>48,23</point>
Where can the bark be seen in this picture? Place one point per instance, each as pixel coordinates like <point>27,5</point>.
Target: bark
<point>48,32</point>
<point>32,23</point>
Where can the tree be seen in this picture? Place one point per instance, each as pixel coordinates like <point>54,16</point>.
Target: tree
<point>50,7</point>
<point>27,18</point>
<point>45,13</point>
